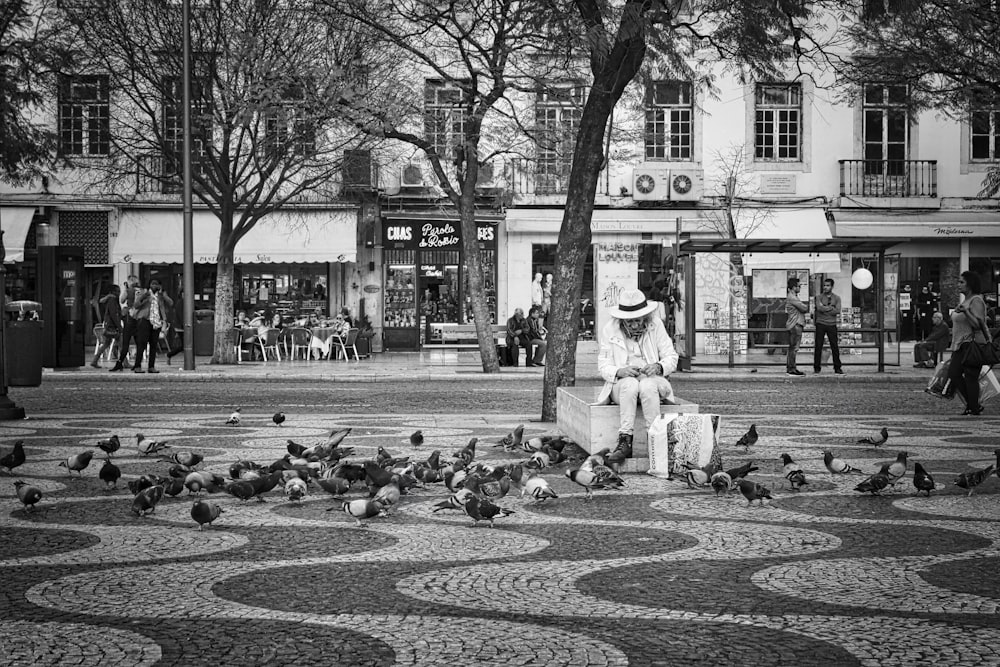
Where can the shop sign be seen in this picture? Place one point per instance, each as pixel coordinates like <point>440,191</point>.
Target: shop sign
<point>372,289</point>
<point>618,252</point>
<point>433,235</point>
<point>432,270</point>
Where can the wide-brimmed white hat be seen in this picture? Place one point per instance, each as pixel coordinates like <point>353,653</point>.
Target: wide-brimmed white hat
<point>632,304</point>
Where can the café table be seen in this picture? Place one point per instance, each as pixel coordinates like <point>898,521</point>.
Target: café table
<point>324,339</point>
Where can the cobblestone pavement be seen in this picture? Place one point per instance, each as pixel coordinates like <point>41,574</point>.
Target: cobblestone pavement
<point>657,574</point>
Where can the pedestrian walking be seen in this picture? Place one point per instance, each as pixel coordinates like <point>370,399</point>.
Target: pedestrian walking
<point>127,304</point>
<point>968,328</point>
<point>794,324</point>
<point>112,323</point>
<point>827,312</point>
<point>151,310</point>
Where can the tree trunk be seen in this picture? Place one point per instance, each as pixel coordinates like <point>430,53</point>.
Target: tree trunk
<point>571,250</point>
<point>477,287</point>
<point>224,352</point>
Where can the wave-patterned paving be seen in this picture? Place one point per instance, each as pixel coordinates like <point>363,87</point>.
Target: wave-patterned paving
<point>654,574</point>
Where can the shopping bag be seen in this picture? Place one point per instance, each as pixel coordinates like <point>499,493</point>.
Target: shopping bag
<point>989,386</point>
<point>694,442</point>
<point>939,381</point>
<point>658,442</point>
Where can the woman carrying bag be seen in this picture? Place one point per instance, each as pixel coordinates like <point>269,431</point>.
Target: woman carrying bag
<point>968,330</point>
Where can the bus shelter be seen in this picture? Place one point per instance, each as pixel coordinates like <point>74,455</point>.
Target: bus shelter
<point>734,292</point>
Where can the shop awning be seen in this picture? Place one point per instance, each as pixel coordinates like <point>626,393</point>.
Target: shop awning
<point>156,236</point>
<point>15,222</point>
<point>917,224</point>
<point>661,222</point>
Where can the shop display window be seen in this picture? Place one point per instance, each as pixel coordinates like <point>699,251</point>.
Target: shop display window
<point>400,292</point>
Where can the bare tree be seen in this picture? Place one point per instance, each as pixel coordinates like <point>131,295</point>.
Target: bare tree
<point>34,49</point>
<point>267,77</point>
<point>461,67</point>
<point>755,38</point>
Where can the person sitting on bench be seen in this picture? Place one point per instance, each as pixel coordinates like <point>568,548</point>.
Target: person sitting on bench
<point>926,351</point>
<point>636,356</point>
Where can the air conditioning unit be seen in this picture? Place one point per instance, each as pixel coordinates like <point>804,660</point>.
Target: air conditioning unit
<point>651,182</point>
<point>412,177</point>
<point>686,184</point>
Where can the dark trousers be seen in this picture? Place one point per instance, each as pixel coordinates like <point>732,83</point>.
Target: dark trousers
<point>794,338</point>
<point>830,332</point>
<point>963,379</point>
<point>128,333</point>
<point>146,338</point>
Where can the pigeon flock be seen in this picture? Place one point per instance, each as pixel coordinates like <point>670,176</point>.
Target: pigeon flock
<point>474,486</point>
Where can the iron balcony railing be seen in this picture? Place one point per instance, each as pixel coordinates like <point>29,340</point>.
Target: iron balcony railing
<point>534,177</point>
<point>888,178</point>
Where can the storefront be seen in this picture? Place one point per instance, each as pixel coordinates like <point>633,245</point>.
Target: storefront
<point>287,261</point>
<point>426,283</point>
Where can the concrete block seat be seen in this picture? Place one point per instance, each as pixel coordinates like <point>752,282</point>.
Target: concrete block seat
<point>596,426</point>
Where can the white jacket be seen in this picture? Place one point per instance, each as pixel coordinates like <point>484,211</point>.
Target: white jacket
<point>655,345</point>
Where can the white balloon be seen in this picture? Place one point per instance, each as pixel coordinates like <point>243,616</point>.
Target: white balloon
<point>862,279</point>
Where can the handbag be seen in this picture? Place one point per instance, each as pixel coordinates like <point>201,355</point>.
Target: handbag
<point>938,385</point>
<point>973,354</point>
<point>989,386</point>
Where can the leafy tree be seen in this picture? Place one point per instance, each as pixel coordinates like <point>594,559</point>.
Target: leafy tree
<point>474,60</point>
<point>946,51</point>
<point>33,49</point>
<point>756,39</point>
<point>266,79</point>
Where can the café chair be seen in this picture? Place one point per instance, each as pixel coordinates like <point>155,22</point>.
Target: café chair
<point>269,341</point>
<point>348,344</point>
<point>297,338</point>
<point>244,340</point>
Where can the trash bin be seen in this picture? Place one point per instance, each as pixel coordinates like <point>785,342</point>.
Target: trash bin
<point>24,345</point>
<point>203,333</point>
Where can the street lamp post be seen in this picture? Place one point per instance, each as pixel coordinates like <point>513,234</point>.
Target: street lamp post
<point>188,279</point>
<point>8,409</point>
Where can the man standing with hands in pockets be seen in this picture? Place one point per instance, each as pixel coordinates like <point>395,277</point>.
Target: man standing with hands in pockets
<point>796,312</point>
<point>827,310</point>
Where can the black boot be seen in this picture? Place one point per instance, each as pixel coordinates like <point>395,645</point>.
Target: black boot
<point>623,450</point>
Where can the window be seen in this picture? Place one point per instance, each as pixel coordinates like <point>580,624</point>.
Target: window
<point>173,124</point>
<point>286,129</point>
<point>557,121</point>
<point>669,113</point>
<point>84,115</point>
<point>778,121</point>
<point>984,123</point>
<point>874,10</point>
<point>444,116</point>
<point>886,128</point>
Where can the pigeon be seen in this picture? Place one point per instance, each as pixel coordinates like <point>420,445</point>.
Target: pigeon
<point>600,477</point>
<point>748,439</point>
<point>363,508</point>
<point>294,448</point>
<point>77,462</point>
<point>278,418</point>
<point>897,469</point>
<point>482,509</point>
<point>173,486</point>
<point>875,439</point>
<point>793,473</point>
<point>296,489</point>
<point>205,511</point>
<point>512,440</point>
<point>753,491</point>
<point>387,460</point>
<point>539,489</point>
<point>110,446</point>
<point>28,495</point>
<point>434,460</point>
<point>468,452</point>
<point>922,480</point>
<point>699,476</point>
<point>736,474</point>
<point>495,484</point>
<point>196,481</point>
<point>389,494</point>
<point>241,489</point>
<point>14,457</point>
<point>109,473</point>
<point>456,501</point>
<point>417,438</point>
<point>837,466</point>
<point>143,482</point>
<point>145,501</point>
<point>874,484</point>
<point>722,482</point>
<point>538,461</point>
<point>597,458</point>
<point>970,480</point>
<point>234,419</point>
<point>455,479</point>
<point>188,459</point>
<point>147,447</point>
<point>334,485</point>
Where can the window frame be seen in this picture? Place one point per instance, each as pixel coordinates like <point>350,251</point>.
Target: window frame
<point>84,123</point>
<point>778,116</point>
<point>888,109</point>
<point>172,125</point>
<point>444,118</point>
<point>660,140</point>
<point>992,134</point>
<point>558,110</point>
<point>286,129</point>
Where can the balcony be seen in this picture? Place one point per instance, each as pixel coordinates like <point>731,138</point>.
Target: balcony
<point>157,174</point>
<point>529,178</point>
<point>888,178</point>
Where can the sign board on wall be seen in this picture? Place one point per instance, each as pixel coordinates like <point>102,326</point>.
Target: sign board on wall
<point>401,234</point>
<point>617,268</point>
<point>777,184</point>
